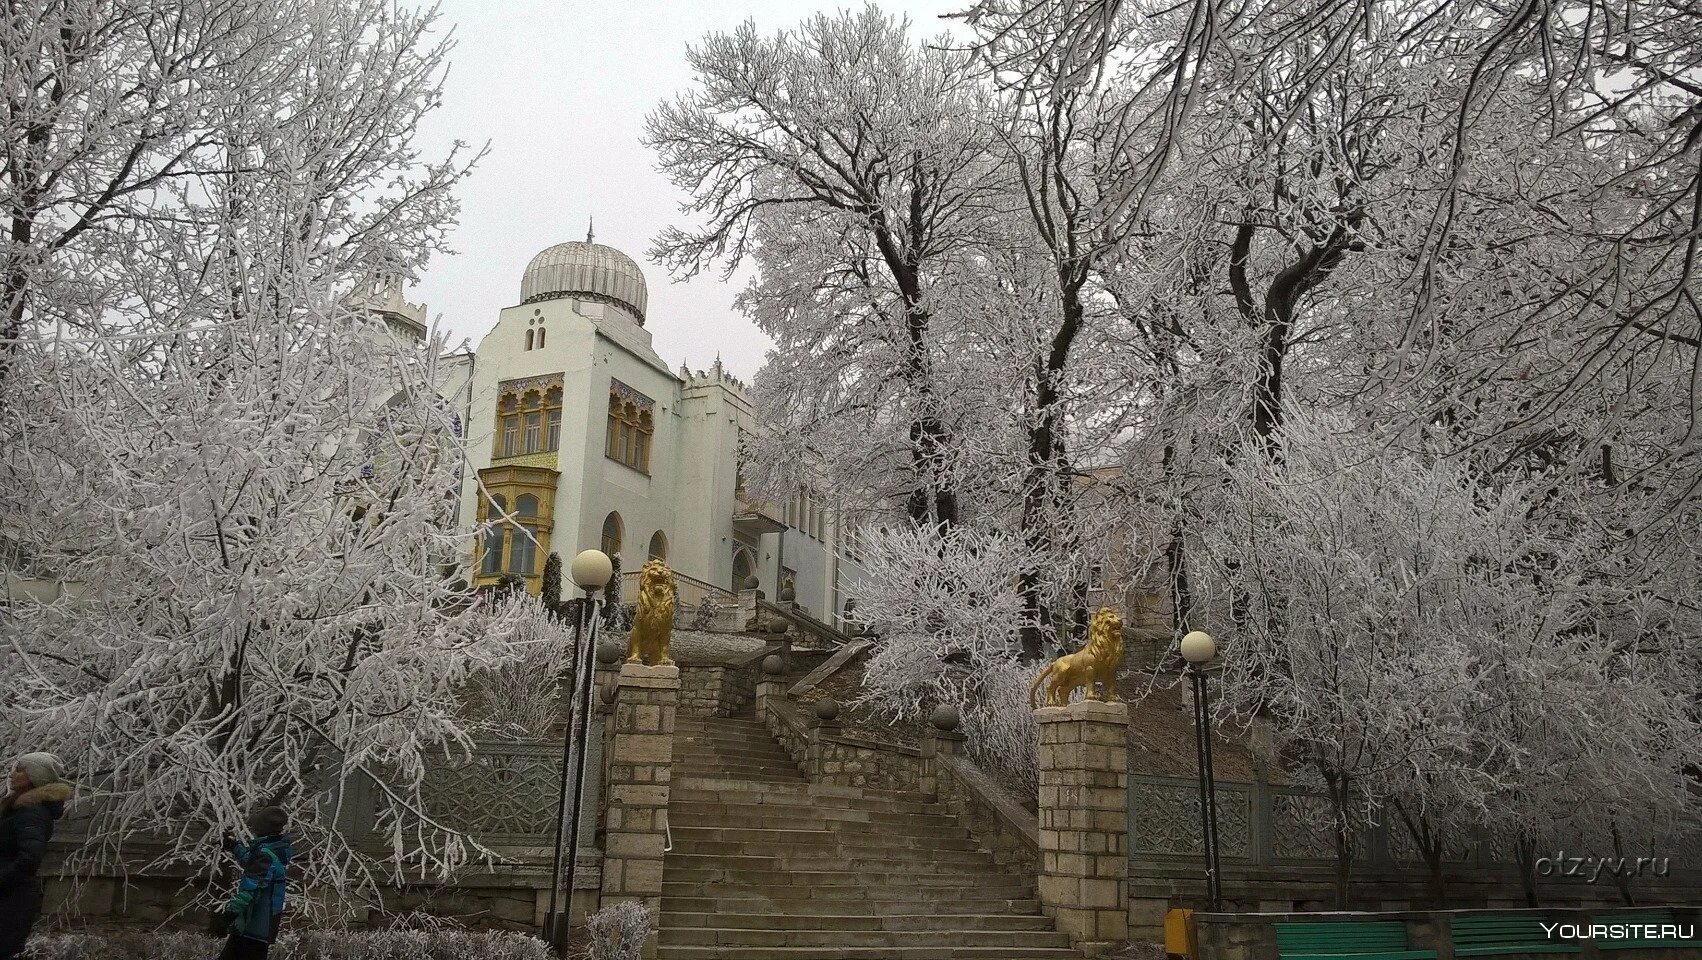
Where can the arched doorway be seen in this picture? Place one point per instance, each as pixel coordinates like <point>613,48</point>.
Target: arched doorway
<point>743,567</point>
<point>658,546</point>
<point>613,532</point>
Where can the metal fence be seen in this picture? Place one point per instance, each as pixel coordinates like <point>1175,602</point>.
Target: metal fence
<point>505,794</point>
<point>1265,825</point>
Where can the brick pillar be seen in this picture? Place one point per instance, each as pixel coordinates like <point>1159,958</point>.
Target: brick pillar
<point>1084,817</point>
<point>641,755</point>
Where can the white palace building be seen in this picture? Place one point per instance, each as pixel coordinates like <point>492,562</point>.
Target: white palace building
<point>586,438</point>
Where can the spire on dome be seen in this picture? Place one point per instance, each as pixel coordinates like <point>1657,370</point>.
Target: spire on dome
<point>591,230</point>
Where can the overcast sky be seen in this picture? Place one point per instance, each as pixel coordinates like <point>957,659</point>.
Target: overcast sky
<point>560,90</point>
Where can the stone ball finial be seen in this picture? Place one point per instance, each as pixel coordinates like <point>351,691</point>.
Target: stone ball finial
<point>772,665</point>
<point>776,627</point>
<point>827,710</point>
<point>609,652</point>
<point>787,594</point>
<point>945,718</point>
<point>751,582</point>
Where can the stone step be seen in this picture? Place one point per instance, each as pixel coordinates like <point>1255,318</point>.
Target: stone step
<point>814,842</point>
<point>801,817</point>
<point>808,903</point>
<point>737,771</point>
<point>829,937</point>
<point>687,749</point>
<point>698,768</point>
<point>727,746</point>
<point>767,865</point>
<point>888,881</point>
<point>665,951</point>
<point>707,789</point>
<point>727,919</point>
<point>967,864</point>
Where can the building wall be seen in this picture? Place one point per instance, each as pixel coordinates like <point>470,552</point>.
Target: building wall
<point>646,503</point>
<point>689,492</point>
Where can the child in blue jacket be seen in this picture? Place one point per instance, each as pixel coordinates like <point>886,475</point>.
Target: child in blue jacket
<point>258,906</point>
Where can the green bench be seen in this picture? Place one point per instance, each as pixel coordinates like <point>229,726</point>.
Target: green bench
<point>1361,939</point>
<point>1656,916</point>
<point>1487,935</point>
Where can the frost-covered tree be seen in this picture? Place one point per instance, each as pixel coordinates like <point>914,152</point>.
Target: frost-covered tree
<point>136,133</point>
<point>953,623</point>
<point>1421,642</point>
<point>248,478</point>
<point>845,158</point>
<point>269,613</point>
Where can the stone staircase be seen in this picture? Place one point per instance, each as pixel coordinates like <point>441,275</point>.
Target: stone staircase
<point>768,866</point>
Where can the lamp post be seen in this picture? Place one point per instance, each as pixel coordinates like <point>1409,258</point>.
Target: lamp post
<point>590,570</point>
<point>1199,650</point>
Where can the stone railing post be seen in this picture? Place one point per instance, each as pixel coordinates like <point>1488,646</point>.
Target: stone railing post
<point>641,757</point>
<point>1084,817</point>
<point>935,745</point>
<point>770,684</point>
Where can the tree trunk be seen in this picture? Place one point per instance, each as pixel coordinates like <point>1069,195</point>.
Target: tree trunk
<point>1344,839</point>
<point>1525,854</point>
<point>1620,880</point>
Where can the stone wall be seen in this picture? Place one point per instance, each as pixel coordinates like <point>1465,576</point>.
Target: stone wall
<point>996,822</point>
<point>1223,936</point>
<point>826,754</point>
<point>721,691</point>
<point>850,761</point>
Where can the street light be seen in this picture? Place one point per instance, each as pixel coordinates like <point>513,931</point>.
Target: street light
<point>590,570</point>
<point>1199,650</point>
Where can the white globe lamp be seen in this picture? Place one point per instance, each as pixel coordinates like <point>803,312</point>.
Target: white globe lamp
<point>1198,648</point>
<point>591,570</point>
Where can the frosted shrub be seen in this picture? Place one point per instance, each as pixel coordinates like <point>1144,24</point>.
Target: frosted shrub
<point>411,945</point>
<point>999,727</point>
<point>618,932</point>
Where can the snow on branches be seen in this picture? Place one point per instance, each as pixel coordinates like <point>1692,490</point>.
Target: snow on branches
<point>242,479</point>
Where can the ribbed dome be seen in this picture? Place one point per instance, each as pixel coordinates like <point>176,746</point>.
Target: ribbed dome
<point>589,270</point>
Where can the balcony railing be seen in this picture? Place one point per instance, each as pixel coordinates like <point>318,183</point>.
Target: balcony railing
<point>689,594</point>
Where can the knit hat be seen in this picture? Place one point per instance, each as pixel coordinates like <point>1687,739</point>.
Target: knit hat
<point>268,821</point>
<point>43,768</point>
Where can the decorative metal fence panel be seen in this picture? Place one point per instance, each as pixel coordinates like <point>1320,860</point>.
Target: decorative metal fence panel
<point>1272,826</point>
<point>505,794</point>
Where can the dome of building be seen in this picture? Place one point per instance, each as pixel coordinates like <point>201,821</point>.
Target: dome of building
<point>589,271</point>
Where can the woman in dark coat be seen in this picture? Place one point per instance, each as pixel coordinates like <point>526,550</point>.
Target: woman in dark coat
<point>38,797</point>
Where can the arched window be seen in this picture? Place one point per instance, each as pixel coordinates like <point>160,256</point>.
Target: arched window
<point>641,450</point>
<point>613,530</point>
<point>658,546</point>
<point>552,419</point>
<point>508,427</point>
<point>540,338</point>
<point>526,505</point>
<point>631,428</point>
<point>742,567</point>
<point>524,554</point>
<point>528,416</point>
<point>528,339</point>
<point>491,563</point>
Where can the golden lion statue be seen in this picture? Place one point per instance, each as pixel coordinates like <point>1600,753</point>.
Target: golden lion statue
<point>653,624</point>
<point>1095,663</point>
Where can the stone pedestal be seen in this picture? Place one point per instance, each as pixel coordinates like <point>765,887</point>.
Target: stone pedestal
<point>767,689</point>
<point>641,755</point>
<point>1084,817</point>
<point>936,744</point>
